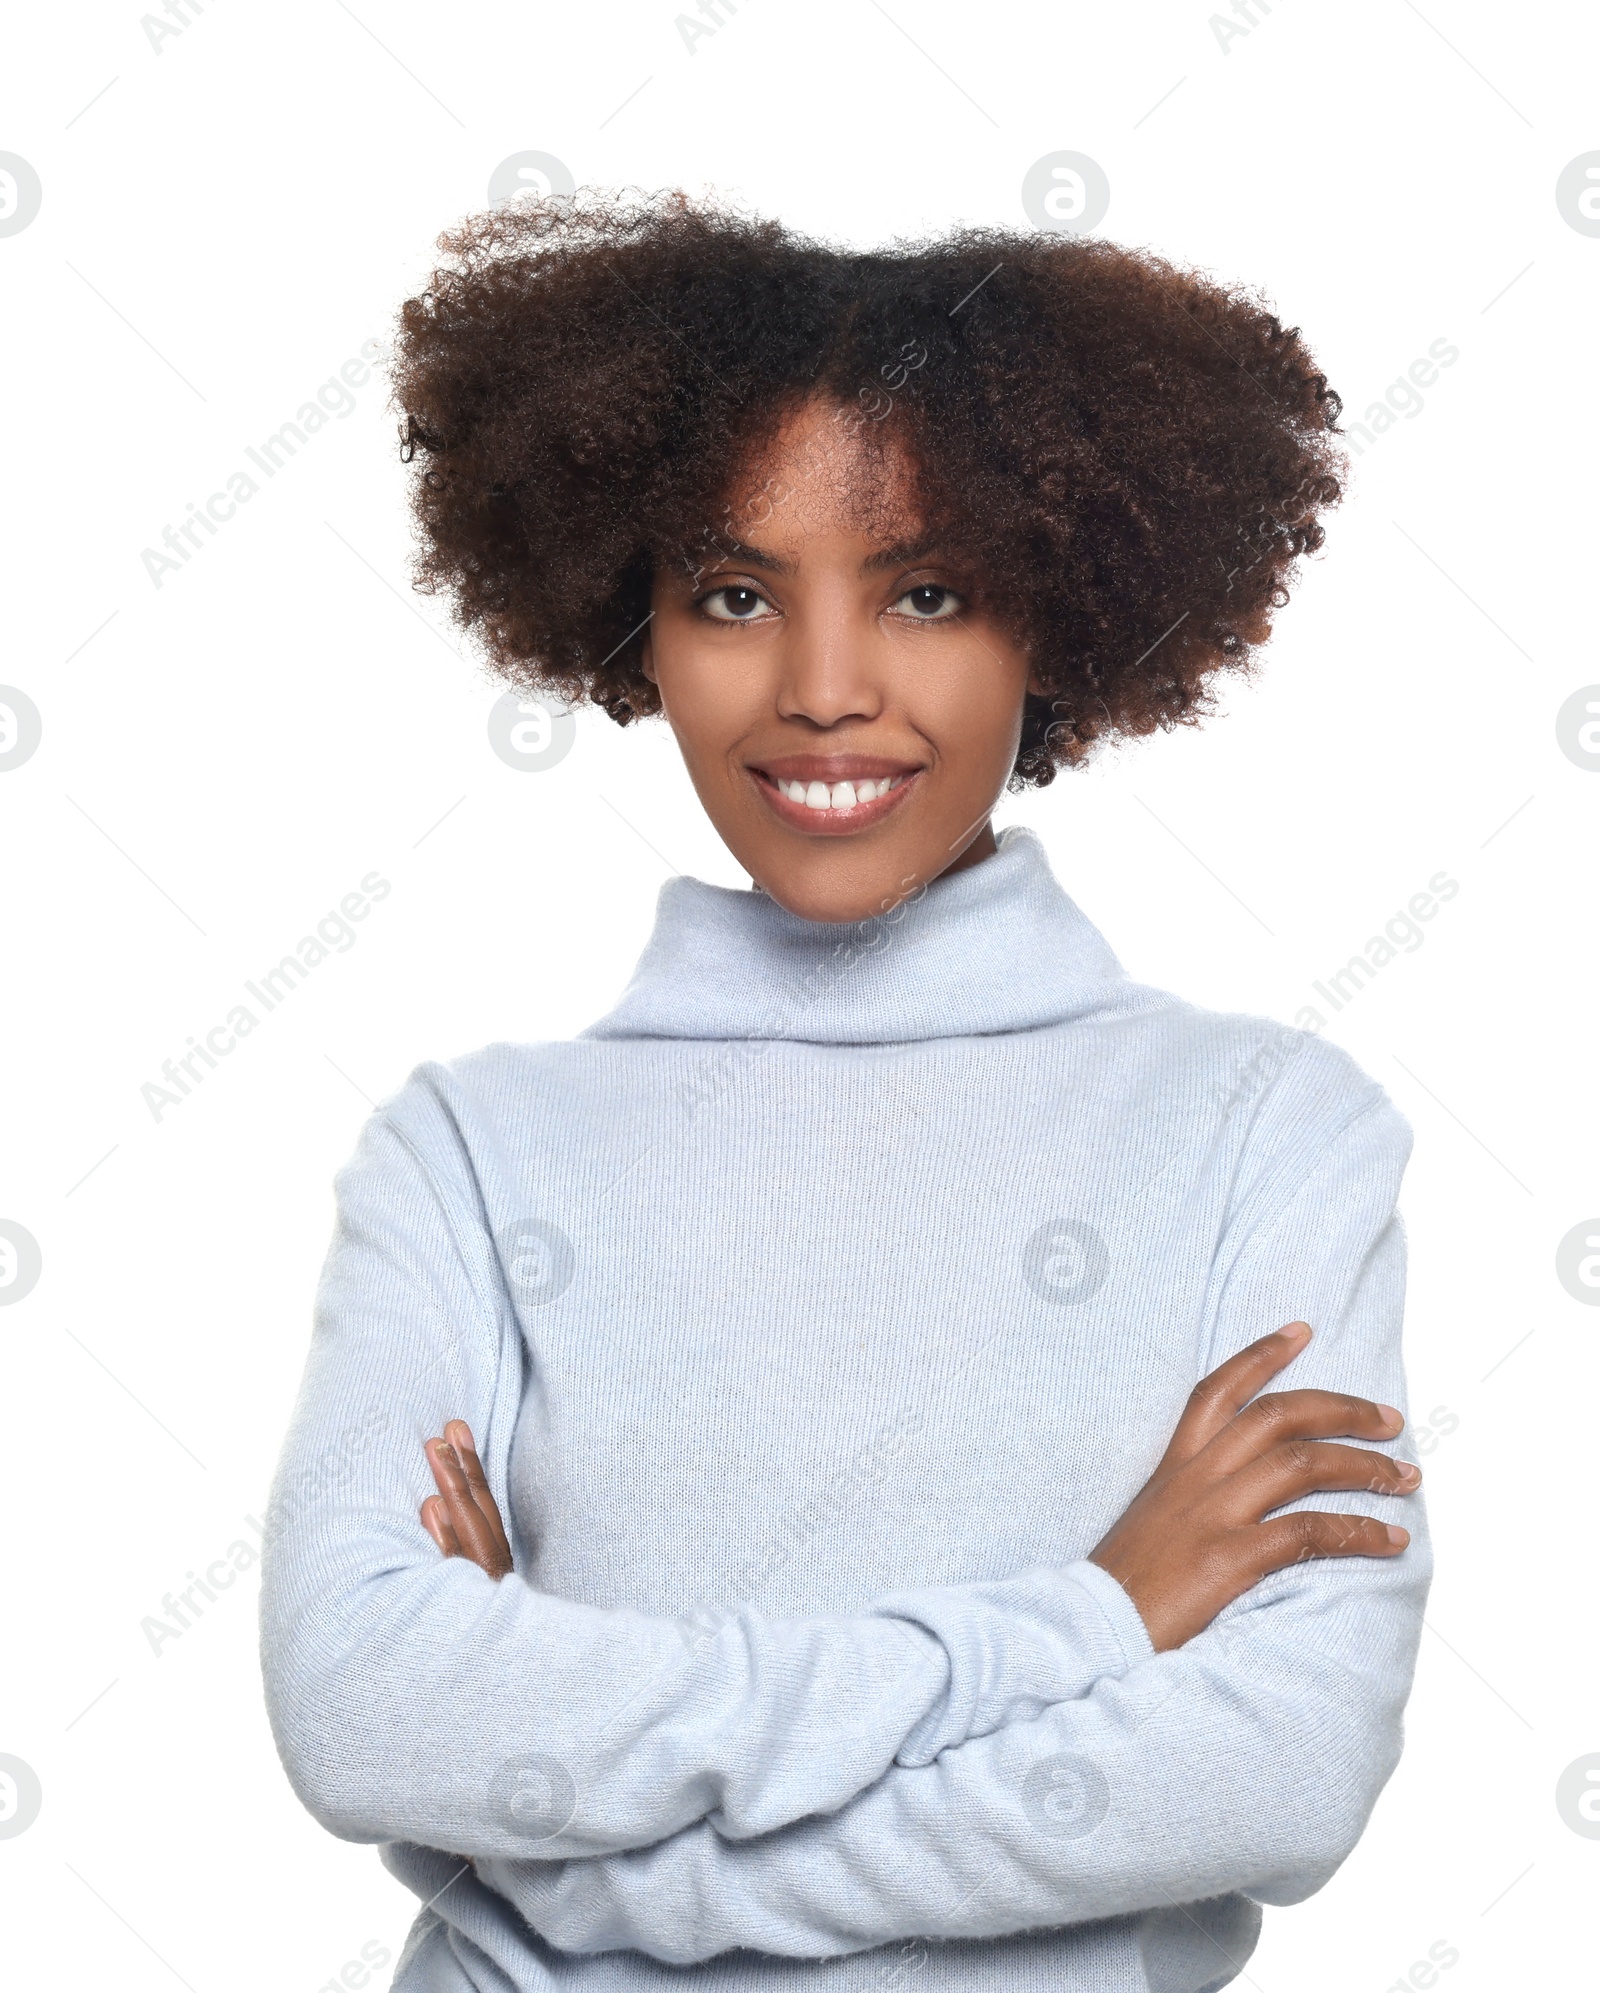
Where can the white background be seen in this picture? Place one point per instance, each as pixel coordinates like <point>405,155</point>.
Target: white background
<point>224,221</point>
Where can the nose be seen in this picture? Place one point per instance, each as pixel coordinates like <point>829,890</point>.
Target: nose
<point>830,668</point>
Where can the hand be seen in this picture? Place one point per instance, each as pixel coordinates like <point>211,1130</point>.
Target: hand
<point>462,1518</point>
<point>1192,1540</point>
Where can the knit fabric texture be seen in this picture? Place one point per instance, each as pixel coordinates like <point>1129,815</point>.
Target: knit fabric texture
<point>816,1313</point>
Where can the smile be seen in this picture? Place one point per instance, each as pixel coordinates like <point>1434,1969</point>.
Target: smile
<point>832,797</point>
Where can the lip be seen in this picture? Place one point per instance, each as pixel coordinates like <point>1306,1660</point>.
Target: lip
<point>831,768</point>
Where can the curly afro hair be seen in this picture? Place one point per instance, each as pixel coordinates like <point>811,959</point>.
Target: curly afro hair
<point>1128,456</point>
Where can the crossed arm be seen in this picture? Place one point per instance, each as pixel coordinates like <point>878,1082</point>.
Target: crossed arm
<point>1194,1709</point>
<point>390,1671</point>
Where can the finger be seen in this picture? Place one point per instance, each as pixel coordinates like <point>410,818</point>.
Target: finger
<point>1223,1392</point>
<point>1286,1415</point>
<point>1304,1466</point>
<point>459,1434</point>
<point>451,1478</point>
<point>479,1541</point>
<point>447,1475</point>
<point>436,1521</point>
<point>1313,1533</point>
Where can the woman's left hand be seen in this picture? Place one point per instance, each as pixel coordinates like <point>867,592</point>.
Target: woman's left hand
<point>462,1518</point>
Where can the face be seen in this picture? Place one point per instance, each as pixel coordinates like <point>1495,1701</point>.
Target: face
<point>847,713</point>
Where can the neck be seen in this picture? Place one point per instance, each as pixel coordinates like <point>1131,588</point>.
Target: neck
<point>986,947</point>
<point>982,846</point>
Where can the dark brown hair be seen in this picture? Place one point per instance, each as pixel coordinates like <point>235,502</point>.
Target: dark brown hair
<point>1129,455</point>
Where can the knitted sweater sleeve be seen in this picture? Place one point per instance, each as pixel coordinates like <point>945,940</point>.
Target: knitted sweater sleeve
<point>1247,1760</point>
<point>414,1698</point>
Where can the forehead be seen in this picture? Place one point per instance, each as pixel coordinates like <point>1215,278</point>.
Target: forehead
<point>822,470</point>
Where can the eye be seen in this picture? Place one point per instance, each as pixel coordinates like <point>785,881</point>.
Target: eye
<point>931,602</point>
<point>734,603</point>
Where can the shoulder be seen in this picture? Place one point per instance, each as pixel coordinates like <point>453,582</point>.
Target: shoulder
<point>492,1082</point>
<point>1308,1114</point>
<point>1282,1096</point>
<point>448,1114</point>
<point>1301,1072</point>
<point>1316,1091</point>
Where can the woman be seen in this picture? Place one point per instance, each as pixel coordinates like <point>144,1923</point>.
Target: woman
<point>878,1536</point>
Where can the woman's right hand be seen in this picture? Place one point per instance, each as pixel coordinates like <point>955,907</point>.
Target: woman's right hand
<point>463,1518</point>
<point>1193,1540</point>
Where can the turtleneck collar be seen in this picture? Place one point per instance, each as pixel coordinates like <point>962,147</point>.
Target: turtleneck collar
<point>997,947</point>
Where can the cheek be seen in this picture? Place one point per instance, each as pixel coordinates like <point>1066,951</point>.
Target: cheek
<point>711,702</point>
<point>972,712</point>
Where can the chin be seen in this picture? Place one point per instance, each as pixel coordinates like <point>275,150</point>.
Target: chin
<point>835,894</point>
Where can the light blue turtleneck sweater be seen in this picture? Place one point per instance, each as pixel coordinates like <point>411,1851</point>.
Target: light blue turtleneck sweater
<point>816,1312</point>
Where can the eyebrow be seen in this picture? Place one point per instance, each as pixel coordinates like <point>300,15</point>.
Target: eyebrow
<point>905,554</point>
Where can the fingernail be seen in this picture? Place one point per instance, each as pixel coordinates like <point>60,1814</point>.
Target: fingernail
<point>1392,1416</point>
<point>1296,1332</point>
<point>1409,1471</point>
<point>1396,1535</point>
<point>447,1454</point>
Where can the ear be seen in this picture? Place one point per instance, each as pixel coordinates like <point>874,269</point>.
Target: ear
<point>1037,690</point>
<point>647,660</point>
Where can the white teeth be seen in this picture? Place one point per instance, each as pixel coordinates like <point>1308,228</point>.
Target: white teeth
<point>841,795</point>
